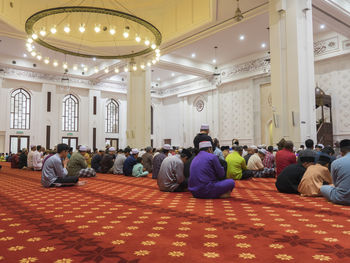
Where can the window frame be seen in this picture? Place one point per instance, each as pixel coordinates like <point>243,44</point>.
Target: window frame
<point>14,112</point>
<point>66,118</point>
<point>108,115</point>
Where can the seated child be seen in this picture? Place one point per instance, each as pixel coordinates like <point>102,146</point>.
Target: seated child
<point>138,170</point>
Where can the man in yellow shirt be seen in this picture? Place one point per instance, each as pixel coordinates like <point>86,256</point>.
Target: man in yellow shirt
<point>236,166</point>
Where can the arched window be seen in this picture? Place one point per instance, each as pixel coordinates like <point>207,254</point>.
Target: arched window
<point>70,113</point>
<point>112,117</point>
<point>20,110</point>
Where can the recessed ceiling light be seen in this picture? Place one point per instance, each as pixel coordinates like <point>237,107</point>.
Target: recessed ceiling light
<point>193,55</point>
<point>172,74</point>
<point>214,60</point>
<point>25,55</point>
<point>241,37</point>
<point>322,26</point>
<point>263,45</point>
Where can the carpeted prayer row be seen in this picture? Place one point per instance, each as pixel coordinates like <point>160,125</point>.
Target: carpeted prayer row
<point>122,219</point>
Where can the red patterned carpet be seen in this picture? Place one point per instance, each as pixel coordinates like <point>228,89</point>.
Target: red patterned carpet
<point>121,219</point>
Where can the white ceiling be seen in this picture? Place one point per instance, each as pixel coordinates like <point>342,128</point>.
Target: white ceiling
<point>230,47</point>
<point>228,41</point>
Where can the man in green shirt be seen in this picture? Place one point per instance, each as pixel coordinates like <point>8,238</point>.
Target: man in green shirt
<point>236,165</point>
<point>77,165</point>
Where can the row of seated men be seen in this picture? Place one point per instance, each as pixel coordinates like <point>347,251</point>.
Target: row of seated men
<point>207,175</point>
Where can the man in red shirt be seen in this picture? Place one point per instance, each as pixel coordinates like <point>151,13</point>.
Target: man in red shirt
<point>285,157</point>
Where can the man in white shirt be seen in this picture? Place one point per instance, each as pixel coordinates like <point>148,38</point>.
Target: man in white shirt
<point>37,161</point>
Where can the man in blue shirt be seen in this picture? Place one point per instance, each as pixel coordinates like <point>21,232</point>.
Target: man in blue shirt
<point>340,171</point>
<point>54,172</point>
<point>130,162</point>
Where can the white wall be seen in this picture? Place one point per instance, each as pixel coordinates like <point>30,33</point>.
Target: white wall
<point>333,77</point>
<point>40,118</point>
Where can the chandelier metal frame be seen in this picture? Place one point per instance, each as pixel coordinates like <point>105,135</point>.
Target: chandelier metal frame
<point>88,9</point>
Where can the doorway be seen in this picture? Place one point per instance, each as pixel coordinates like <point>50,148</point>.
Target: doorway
<point>71,142</point>
<point>18,143</point>
<point>112,142</point>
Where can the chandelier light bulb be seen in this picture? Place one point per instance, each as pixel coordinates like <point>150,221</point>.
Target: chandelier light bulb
<point>53,30</point>
<point>116,70</point>
<point>157,58</point>
<point>112,31</point>
<point>147,42</point>
<point>28,45</point>
<point>149,64</point>
<point>138,39</point>
<point>85,69</point>
<point>39,57</point>
<point>42,32</point>
<point>154,61</point>
<point>46,61</point>
<point>126,69</point>
<point>66,29</point>
<point>126,32</point>
<point>97,28</point>
<point>82,28</point>
<point>157,50</point>
<point>30,40</point>
<point>65,66</point>
<point>96,69</point>
<point>34,36</point>
<point>134,68</point>
<point>106,70</point>
<point>75,67</point>
<point>55,63</point>
<point>33,53</point>
<point>142,66</point>
<point>153,46</point>
<point>29,49</point>
<point>158,55</point>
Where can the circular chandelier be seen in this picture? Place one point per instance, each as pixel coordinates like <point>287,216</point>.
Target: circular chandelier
<point>93,32</point>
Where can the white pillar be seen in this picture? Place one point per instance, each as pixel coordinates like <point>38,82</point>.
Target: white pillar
<point>139,109</point>
<point>292,70</point>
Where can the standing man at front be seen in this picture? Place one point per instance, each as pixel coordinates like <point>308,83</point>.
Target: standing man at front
<point>202,136</point>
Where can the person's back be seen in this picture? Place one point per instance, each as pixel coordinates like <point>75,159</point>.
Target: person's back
<point>157,162</point>
<point>340,171</point>
<point>285,157</point>
<point>200,137</point>
<point>50,169</point>
<point>106,163</point>
<point>128,165</point>
<point>207,178</point>
<point>22,160</point>
<point>314,177</point>
<point>119,164</point>
<point>255,163</point>
<point>171,174</point>
<point>30,160</point>
<point>37,161</point>
<point>147,160</point>
<point>289,179</point>
<point>14,161</point>
<point>235,165</point>
<point>269,160</point>
<point>95,162</point>
<point>76,163</point>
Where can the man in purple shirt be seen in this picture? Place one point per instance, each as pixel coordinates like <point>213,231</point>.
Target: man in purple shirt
<point>207,176</point>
